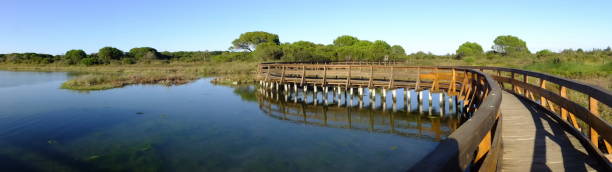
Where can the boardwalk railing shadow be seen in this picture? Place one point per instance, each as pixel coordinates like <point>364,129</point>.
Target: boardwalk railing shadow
<point>572,158</point>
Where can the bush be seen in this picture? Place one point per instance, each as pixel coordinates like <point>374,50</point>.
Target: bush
<point>128,61</point>
<point>469,59</point>
<point>89,61</point>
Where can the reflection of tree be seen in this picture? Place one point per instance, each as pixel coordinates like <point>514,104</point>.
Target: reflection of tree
<point>246,92</point>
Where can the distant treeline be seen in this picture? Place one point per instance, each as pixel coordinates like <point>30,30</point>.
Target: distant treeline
<point>263,46</point>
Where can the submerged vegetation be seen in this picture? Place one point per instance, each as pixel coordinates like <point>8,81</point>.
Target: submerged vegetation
<point>111,67</point>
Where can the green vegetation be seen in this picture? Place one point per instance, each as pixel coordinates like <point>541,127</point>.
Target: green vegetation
<point>251,48</point>
<point>248,41</point>
<point>115,80</point>
<point>510,45</point>
<point>469,49</point>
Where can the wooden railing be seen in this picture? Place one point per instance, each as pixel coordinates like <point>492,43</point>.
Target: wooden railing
<point>474,145</point>
<point>575,103</point>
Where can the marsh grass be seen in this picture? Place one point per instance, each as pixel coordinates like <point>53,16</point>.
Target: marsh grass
<point>114,76</point>
<point>116,80</point>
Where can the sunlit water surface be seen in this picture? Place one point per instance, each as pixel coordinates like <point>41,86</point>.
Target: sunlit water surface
<point>194,127</point>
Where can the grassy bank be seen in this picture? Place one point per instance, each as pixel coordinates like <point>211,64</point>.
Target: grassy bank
<point>114,76</point>
<point>116,80</point>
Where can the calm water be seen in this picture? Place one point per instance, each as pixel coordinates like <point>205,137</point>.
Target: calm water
<point>197,127</point>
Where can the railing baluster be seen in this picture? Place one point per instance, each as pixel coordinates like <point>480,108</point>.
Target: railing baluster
<point>563,93</point>
<point>595,111</point>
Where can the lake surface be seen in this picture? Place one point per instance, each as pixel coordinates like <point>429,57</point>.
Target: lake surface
<point>198,127</point>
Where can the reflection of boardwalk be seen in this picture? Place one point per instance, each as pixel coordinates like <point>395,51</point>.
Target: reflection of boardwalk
<point>535,142</point>
<point>429,127</point>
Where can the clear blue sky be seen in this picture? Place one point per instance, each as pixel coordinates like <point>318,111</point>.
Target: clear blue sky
<point>55,26</point>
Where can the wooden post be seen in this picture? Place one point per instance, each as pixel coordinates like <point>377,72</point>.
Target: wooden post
<point>259,71</point>
<point>542,98</point>
<point>324,75</point>
<point>464,85</point>
<point>391,78</point>
<point>348,78</point>
<point>594,136</point>
<point>512,76</point>
<point>436,81</point>
<point>371,76</point>
<point>303,74</point>
<point>267,73</point>
<point>563,93</point>
<point>451,87</point>
<point>483,147</point>
<point>418,79</point>
<point>283,75</point>
<point>525,81</point>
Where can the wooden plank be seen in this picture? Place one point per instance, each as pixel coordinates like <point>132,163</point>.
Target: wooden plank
<point>600,125</point>
<point>529,142</point>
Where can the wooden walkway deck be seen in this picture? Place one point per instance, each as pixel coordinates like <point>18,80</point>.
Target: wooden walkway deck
<point>533,141</point>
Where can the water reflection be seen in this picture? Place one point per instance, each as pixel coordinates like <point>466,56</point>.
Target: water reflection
<point>344,113</point>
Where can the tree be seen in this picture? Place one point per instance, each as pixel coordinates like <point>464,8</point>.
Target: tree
<point>397,51</point>
<point>299,51</point>
<point>544,53</point>
<point>145,54</point>
<point>469,49</point>
<point>107,54</point>
<point>380,50</point>
<point>268,51</point>
<point>509,45</point>
<point>249,40</point>
<point>74,56</point>
<point>345,40</point>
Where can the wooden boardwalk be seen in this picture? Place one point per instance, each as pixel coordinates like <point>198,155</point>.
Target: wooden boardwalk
<point>564,133</point>
<point>533,141</point>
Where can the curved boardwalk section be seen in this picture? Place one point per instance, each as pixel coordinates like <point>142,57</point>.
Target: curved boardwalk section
<point>518,120</point>
<point>533,141</point>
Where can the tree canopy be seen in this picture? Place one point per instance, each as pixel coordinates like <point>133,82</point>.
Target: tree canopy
<point>469,49</point>
<point>249,40</point>
<point>74,56</point>
<point>509,45</point>
<point>544,53</point>
<point>397,51</point>
<point>268,51</point>
<point>145,53</point>
<point>345,40</point>
<point>107,54</point>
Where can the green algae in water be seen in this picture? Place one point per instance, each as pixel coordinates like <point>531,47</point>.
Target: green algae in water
<point>51,142</point>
